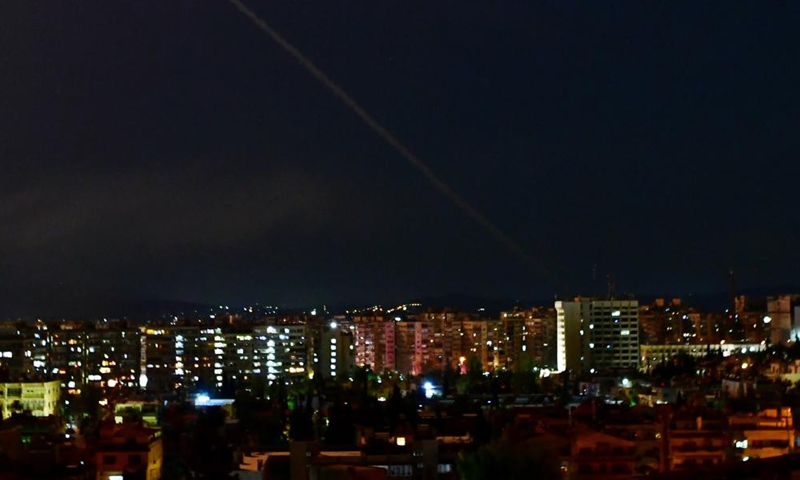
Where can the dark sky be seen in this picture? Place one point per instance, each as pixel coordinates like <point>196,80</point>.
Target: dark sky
<point>172,150</point>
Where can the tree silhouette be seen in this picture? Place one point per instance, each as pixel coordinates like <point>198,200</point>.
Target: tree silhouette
<point>341,425</point>
<point>211,455</point>
<point>508,461</point>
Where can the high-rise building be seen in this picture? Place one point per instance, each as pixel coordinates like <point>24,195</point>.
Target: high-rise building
<point>597,334</point>
<point>36,341</point>
<point>24,351</point>
<point>424,342</point>
<point>426,348</point>
<point>281,349</point>
<point>112,356</point>
<point>374,342</point>
<point>420,342</point>
<point>221,357</point>
<point>569,324</point>
<point>12,354</point>
<point>163,372</point>
<point>473,340</point>
<point>65,355</point>
<point>529,334</point>
<point>105,353</point>
<point>336,352</point>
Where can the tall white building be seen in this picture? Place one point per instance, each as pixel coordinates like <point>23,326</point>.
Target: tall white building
<point>568,339</point>
<point>597,334</point>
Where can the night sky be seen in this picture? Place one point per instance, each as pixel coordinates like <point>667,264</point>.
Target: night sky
<point>172,150</point>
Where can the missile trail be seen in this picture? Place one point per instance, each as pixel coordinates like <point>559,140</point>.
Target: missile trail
<point>507,241</point>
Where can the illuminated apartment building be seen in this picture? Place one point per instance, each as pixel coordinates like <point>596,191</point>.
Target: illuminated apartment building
<point>239,355</point>
<point>186,358</point>
<point>597,334</point>
<point>35,353</point>
<point>405,346</point>
<point>336,352</point>
<point>280,349</point>
<point>472,338</point>
<point>161,369</point>
<point>112,356</point>
<point>374,342</point>
<point>197,352</point>
<point>65,355</point>
<point>212,358</point>
<point>38,398</point>
<point>529,333</point>
<point>12,354</point>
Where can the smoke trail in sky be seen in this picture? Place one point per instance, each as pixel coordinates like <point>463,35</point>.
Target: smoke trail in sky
<point>509,243</point>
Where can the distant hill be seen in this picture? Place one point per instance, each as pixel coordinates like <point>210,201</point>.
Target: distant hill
<point>486,306</point>
<point>73,306</point>
<point>95,308</point>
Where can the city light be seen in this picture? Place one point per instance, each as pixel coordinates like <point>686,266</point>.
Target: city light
<point>429,389</point>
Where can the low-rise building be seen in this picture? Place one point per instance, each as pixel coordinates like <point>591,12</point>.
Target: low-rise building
<point>147,411</point>
<point>417,460</point>
<point>787,371</point>
<point>41,399</point>
<point>128,448</point>
<point>770,433</point>
<point>652,355</point>
<point>599,455</point>
<point>695,441</point>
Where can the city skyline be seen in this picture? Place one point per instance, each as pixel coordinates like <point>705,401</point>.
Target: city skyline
<point>606,387</point>
<point>217,351</point>
<point>176,152</point>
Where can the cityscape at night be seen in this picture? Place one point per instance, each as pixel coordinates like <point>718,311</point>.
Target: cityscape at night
<point>263,240</point>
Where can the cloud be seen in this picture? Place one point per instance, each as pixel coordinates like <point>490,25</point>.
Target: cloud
<point>118,221</point>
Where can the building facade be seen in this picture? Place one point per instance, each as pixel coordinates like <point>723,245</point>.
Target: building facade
<point>41,399</point>
<point>597,334</point>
